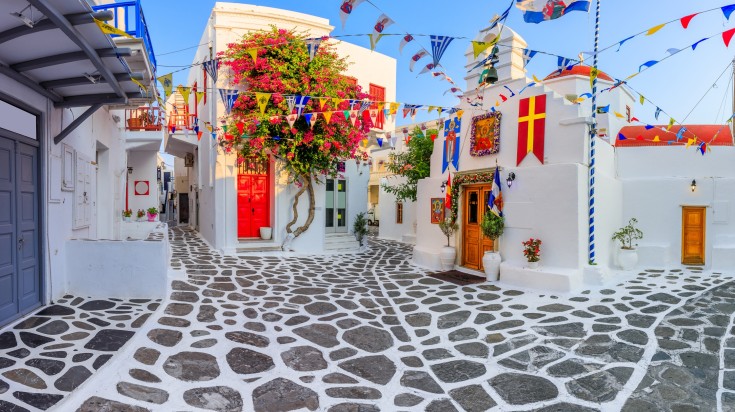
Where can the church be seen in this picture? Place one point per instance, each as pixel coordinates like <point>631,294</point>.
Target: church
<point>539,138</point>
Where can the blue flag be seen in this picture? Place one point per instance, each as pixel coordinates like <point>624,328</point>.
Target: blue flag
<point>439,45</point>
<point>536,11</point>
<point>228,98</point>
<point>452,128</point>
<point>495,201</point>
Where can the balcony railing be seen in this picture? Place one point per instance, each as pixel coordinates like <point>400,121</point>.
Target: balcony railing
<point>128,17</point>
<point>144,119</point>
<point>181,121</point>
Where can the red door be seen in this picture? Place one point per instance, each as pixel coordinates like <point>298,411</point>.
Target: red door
<point>253,198</point>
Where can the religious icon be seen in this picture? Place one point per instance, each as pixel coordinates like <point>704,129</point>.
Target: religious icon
<point>451,137</point>
<point>485,138</point>
<point>452,129</point>
<point>437,210</point>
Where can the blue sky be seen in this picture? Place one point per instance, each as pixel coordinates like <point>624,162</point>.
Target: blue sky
<point>675,85</point>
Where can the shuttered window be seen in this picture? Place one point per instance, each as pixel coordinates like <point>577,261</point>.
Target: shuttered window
<point>82,193</point>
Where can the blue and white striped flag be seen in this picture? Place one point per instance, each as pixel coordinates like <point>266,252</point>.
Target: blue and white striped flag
<point>291,102</point>
<point>312,46</point>
<point>439,45</point>
<point>564,63</point>
<point>229,96</point>
<point>528,55</point>
<point>212,67</point>
<point>300,103</point>
<point>495,201</point>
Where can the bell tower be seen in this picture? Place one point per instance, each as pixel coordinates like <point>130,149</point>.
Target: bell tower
<point>509,66</point>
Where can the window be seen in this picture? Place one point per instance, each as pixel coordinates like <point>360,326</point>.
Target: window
<point>472,211</point>
<point>399,213</point>
<point>351,80</point>
<point>377,94</point>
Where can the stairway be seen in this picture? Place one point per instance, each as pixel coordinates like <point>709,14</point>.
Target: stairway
<point>340,242</point>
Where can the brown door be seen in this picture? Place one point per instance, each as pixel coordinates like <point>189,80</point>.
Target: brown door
<point>692,235</point>
<point>474,244</point>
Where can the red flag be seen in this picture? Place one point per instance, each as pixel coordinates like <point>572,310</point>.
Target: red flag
<point>502,97</point>
<point>727,36</point>
<point>240,127</point>
<point>448,196</point>
<point>199,135</point>
<point>685,20</point>
<point>531,127</point>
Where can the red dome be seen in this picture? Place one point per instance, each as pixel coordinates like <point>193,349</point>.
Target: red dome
<point>577,70</point>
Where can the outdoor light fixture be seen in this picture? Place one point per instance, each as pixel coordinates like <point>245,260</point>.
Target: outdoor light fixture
<point>28,21</point>
<point>444,187</point>
<point>510,179</point>
<point>90,77</point>
<point>130,170</point>
<point>694,185</point>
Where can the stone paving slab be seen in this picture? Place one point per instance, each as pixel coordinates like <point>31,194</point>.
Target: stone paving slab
<point>49,354</point>
<point>370,332</point>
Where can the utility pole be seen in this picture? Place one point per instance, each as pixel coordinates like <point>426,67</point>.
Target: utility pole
<point>593,136</point>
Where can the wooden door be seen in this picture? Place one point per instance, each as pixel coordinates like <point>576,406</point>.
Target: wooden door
<point>693,221</point>
<point>474,244</point>
<point>253,198</point>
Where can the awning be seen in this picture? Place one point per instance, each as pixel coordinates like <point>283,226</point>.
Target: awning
<point>56,48</point>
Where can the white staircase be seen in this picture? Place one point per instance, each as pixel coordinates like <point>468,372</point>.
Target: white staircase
<point>340,242</point>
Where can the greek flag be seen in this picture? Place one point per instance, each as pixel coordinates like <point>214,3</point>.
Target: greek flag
<point>229,97</point>
<point>495,201</point>
<point>536,11</point>
<point>528,55</point>
<point>212,67</point>
<point>564,63</point>
<point>291,101</point>
<point>300,103</point>
<point>312,46</point>
<point>439,45</point>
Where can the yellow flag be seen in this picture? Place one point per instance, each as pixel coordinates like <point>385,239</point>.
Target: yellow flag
<point>430,109</point>
<point>253,53</point>
<point>594,72</point>
<point>139,84</point>
<point>460,113</point>
<point>618,115</point>
<point>184,92</point>
<point>671,123</point>
<point>654,29</point>
<point>262,99</point>
<point>107,29</point>
<point>656,139</point>
<point>631,76</point>
<point>480,46</point>
<point>327,116</point>
<point>336,101</point>
<point>691,142</point>
<point>497,103</point>
<point>322,101</point>
<point>642,99</point>
<point>381,106</point>
<point>439,111</point>
<point>394,107</point>
<point>536,79</point>
<point>374,39</point>
<point>198,97</point>
<point>167,82</point>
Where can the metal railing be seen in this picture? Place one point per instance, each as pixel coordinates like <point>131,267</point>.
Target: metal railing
<point>144,119</point>
<point>128,17</point>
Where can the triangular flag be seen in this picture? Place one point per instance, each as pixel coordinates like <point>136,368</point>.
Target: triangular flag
<point>347,7</point>
<point>503,98</point>
<point>291,119</point>
<point>648,127</point>
<point>480,46</point>
<point>374,116</point>
<point>199,135</point>
<point>642,99</point>
<point>380,141</point>
<point>167,83</point>
<point>253,53</point>
<point>634,119</point>
<point>198,97</point>
<point>327,116</point>
<point>346,113</point>
<point>353,116</point>
<point>291,102</point>
<point>594,72</point>
<point>671,123</point>
<point>439,45</point>
<point>416,57</point>
<point>312,46</point>
<point>308,117</point>
<point>322,101</point>
<point>108,29</point>
<point>622,137</point>
<point>394,108</point>
<point>262,100</point>
<point>727,36</point>
<point>686,19</point>
<point>656,139</point>
<point>694,46</point>
<point>460,113</point>
<point>658,112</point>
<point>374,39</point>
<point>535,79</point>
<point>654,29</point>
<point>727,10</point>
<point>690,142</point>
<point>405,40</point>
<point>646,64</point>
<point>618,115</point>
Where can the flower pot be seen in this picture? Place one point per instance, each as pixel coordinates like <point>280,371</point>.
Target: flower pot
<point>491,263</point>
<point>266,233</point>
<point>447,256</point>
<point>533,265</point>
<point>135,123</point>
<point>152,218</point>
<point>627,258</point>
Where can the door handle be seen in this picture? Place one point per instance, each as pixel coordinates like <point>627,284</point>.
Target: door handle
<point>20,243</point>
<point>252,210</point>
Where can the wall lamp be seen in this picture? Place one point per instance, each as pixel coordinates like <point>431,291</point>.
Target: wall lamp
<point>444,187</point>
<point>510,179</point>
<point>694,185</point>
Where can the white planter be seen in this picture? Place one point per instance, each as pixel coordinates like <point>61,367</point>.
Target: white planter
<point>447,256</point>
<point>491,263</point>
<point>126,218</point>
<point>266,233</point>
<point>627,258</point>
<point>533,265</point>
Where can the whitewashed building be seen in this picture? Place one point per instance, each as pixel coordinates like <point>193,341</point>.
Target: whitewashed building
<point>215,182</point>
<point>68,160</point>
<point>548,198</point>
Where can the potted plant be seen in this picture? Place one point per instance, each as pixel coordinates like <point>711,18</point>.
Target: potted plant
<point>266,233</point>
<point>492,227</point>
<point>140,214</point>
<point>152,213</point>
<point>448,253</point>
<point>359,227</point>
<point>532,252</point>
<point>627,255</point>
<point>127,213</point>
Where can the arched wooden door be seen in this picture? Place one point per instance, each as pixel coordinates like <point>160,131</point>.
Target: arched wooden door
<point>253,197</point>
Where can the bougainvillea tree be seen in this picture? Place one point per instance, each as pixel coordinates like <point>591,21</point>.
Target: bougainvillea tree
<point>308,151</point>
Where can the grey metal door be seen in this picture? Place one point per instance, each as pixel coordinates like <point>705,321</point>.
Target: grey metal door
<point>20,285</point>
<point>336,206</point>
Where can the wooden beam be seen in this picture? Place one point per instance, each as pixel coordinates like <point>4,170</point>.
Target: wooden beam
<point>77,121</point>
<point>67,58</point>
<point>65,26</point>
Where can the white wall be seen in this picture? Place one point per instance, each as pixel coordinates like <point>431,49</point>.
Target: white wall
<point>389,227</point>
<point>144,165</point>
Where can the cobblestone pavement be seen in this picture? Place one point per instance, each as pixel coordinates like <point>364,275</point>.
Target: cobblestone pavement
<point>46,356</point>
<point>370,331</point>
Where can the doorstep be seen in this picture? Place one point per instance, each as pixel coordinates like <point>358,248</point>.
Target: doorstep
<point>255,244</point>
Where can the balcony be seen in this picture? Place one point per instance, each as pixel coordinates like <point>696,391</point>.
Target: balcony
<point>128,17</point>
<point>181,122</point>
<point>144,119</point>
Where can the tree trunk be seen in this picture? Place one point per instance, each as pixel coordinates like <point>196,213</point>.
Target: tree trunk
<point>308,187</point>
